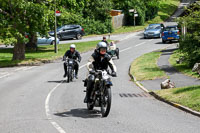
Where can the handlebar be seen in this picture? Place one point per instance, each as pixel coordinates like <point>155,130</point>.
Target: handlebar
<point>99,72</point>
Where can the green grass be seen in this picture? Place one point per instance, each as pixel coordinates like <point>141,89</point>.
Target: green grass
<point>187,96</point>
<point>145,67</point>
<point>44,53</point>
<point>183,67</point>
<point>167,8</point>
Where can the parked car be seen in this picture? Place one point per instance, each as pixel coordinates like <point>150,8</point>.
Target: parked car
<point>69,32</point>
<point>153,31</point>
<point>170,33</point>
<point>47,40</point>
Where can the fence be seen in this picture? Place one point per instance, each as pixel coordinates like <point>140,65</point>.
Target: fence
<point>118,21</point>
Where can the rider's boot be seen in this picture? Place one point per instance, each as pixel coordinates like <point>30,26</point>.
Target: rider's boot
<point>65,68</point>
<point>76,74</point>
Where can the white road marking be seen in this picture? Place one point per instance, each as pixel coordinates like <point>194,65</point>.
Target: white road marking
<point>150,40</point>
<point>60,130</point>
<point>48,114</point>
<point>82,66</point>
<point>125,49</point>
<point>28,68</point>
<point>140,44</point>
<point>5,75</point>
<point>18,69</point>
<point>128,36</point>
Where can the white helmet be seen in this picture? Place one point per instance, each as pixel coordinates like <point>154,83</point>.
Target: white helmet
<point>73,46</point>
<point>101,45</point>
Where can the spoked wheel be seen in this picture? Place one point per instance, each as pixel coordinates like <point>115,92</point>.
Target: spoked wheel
<point>117,53</point>
<point>72,75</point>
<point>69,77</point>
<point>106,103</point>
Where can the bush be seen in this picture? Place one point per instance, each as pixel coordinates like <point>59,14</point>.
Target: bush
<point>190,43</point>
<point>92,26</point>
<point>190,46</point>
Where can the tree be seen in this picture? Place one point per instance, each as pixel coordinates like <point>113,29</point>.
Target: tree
<point>20,17</point>
<point>190,43</point>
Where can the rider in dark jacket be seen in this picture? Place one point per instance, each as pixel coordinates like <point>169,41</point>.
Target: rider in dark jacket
<point>72,54</point>
<point>104,40</point>
<point>99,60</point>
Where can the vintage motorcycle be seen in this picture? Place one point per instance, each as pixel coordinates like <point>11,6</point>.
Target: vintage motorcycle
<point>101,93</point>
<point>113,50</point>
<point>70,69</point>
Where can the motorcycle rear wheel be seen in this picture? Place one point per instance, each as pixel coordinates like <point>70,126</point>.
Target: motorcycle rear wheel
<point>106,103</point>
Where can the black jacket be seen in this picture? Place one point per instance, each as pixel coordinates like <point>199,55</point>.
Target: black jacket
<point>75,55</point>
<point>102,63</point>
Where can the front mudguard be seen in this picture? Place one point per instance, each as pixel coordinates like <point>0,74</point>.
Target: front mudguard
<point>108,83</point>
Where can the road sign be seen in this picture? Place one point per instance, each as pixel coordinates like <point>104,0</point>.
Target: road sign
<point>135,15</point>
<point>58,13</point>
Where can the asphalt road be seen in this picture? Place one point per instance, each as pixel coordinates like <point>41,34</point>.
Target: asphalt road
<point>38,100</point>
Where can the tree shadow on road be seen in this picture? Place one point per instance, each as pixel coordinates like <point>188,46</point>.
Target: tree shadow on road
<point>80,112</point>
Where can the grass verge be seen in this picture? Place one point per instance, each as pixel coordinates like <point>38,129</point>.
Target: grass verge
<point>45,53</point>
<point>183,67</point>
<point>145,67</point>
<point>167,8</point>
<point>187,96</point>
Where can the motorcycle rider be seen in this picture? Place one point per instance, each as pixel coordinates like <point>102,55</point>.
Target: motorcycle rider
<point>72,54</point>
<point>104,40</point>
<point>99,60</point>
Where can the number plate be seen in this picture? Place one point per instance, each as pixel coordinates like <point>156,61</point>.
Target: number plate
<point>170,38</point>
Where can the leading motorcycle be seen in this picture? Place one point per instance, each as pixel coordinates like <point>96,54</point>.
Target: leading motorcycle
<point>101,92</point>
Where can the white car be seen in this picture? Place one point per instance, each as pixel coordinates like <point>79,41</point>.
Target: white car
<point>47,40</point>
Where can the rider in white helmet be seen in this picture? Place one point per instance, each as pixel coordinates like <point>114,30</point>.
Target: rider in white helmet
<point>72,54</point>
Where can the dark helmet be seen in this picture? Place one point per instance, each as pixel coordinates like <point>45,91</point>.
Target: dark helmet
<point>104,37</point>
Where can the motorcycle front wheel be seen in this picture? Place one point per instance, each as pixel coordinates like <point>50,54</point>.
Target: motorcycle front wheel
<point>106,102</point>
<point>69,75</point>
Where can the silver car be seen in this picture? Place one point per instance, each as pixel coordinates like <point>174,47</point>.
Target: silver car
<point>47,40</point>
<point>153,31</point>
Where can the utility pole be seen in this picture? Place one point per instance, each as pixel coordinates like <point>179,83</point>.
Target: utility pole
<point>55,30</point>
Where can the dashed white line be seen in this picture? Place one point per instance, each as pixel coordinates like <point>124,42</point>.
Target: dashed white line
<point>125,49</point>
<point>5,75</point>
<point>140,44</point>
<point>28,68</point>
<point>21,68</point>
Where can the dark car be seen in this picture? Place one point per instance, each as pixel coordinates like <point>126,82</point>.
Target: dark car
<point>69,32</point>
<point>153,31</point>
<point>171,33</point>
